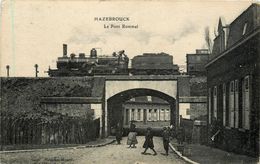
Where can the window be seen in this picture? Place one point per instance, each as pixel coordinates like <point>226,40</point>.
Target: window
<point>133,114</point>
<point>224,88</point>
<point>246,83</point>
<point>244,29</point>
<point>149,98</point>
<point>231,104</point>
<point>209,105</point>
<point>139,114</point>
<point>162,115</point>
<point>224,104</point>
<point>232,86</point>
<point>215,102</point>
<point>245,103</point>
<point>236,105</point>
<point>167,114</point>
<point>236,85</point>
<point>155,115</point>
<point>150,115</point>
<point>215,91</point>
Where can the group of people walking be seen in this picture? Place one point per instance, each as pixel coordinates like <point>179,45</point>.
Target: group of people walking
<point>148,143</point>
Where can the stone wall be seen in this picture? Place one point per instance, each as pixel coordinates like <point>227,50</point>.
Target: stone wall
<point>70,109</point>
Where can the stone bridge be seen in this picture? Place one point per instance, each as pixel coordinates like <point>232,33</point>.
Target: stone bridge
<point>119,89</point>
<point>104,95</point>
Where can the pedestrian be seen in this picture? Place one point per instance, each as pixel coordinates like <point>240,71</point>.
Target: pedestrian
<point>166,139</point>
<point>131,140</point>
<point>148,143</point>
<point>172,134</point>
<point>118,134</point>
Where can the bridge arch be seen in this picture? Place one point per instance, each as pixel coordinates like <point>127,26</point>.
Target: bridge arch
<point>115,105</point>
<point>116,85</point>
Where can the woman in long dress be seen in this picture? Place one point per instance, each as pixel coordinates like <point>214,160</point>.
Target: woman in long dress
<point>131,140</point>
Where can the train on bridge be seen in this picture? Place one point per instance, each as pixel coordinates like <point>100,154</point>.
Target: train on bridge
<point>115,64</point>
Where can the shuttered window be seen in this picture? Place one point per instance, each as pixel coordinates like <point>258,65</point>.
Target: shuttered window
<point>236,119</point>
<point>246,103</point>
<point>209,105</point>
<point>231,104</point>
<point>215,109</point>
<point>224,104</point>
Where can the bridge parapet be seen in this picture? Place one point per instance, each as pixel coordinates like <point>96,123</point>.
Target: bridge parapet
<point>144,77</point>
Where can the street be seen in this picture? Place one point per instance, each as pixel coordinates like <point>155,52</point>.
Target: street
<point>108,154</point>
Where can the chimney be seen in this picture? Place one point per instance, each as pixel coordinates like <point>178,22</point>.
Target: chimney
<point>64,50</point>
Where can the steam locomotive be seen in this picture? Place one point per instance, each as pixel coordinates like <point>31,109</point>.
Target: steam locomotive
<point>116,64</point>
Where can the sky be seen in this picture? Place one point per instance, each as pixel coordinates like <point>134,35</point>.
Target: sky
<point>33,31</point>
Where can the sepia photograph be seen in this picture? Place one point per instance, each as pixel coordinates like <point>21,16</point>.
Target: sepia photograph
<point>129,82</point>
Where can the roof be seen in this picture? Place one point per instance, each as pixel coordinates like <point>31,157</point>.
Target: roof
<point>244,27</point>
<point>146,99</point>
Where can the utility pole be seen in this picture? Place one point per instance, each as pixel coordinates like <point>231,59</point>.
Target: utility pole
<point>7,70</point>
<point>36,70</point>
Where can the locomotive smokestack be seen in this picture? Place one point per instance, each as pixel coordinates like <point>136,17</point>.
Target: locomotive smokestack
<point>93,53</point>
<point>64,50</point>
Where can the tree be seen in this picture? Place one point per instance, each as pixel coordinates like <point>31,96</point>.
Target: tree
<point>208,39</point>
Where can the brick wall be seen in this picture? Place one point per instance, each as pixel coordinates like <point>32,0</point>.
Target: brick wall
<point>198,111</point>
<point>195,88</point>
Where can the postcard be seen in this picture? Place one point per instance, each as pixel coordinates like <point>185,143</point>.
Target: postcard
<point>129,81</point>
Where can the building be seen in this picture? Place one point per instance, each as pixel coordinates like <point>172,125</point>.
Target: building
<point>192,100</point>
<point>146,111</point>
<point>196,62</point>
<point>192,89</point>
<point>233,79</point>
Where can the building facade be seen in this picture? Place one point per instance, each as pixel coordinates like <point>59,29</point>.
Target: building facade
<point>233,83</point>
<point>146,111</point>
<point>196,62</point>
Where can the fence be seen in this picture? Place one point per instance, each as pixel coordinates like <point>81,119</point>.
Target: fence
<point>58,130</point>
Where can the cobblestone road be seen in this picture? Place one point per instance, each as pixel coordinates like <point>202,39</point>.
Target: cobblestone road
<point>100,155</point>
